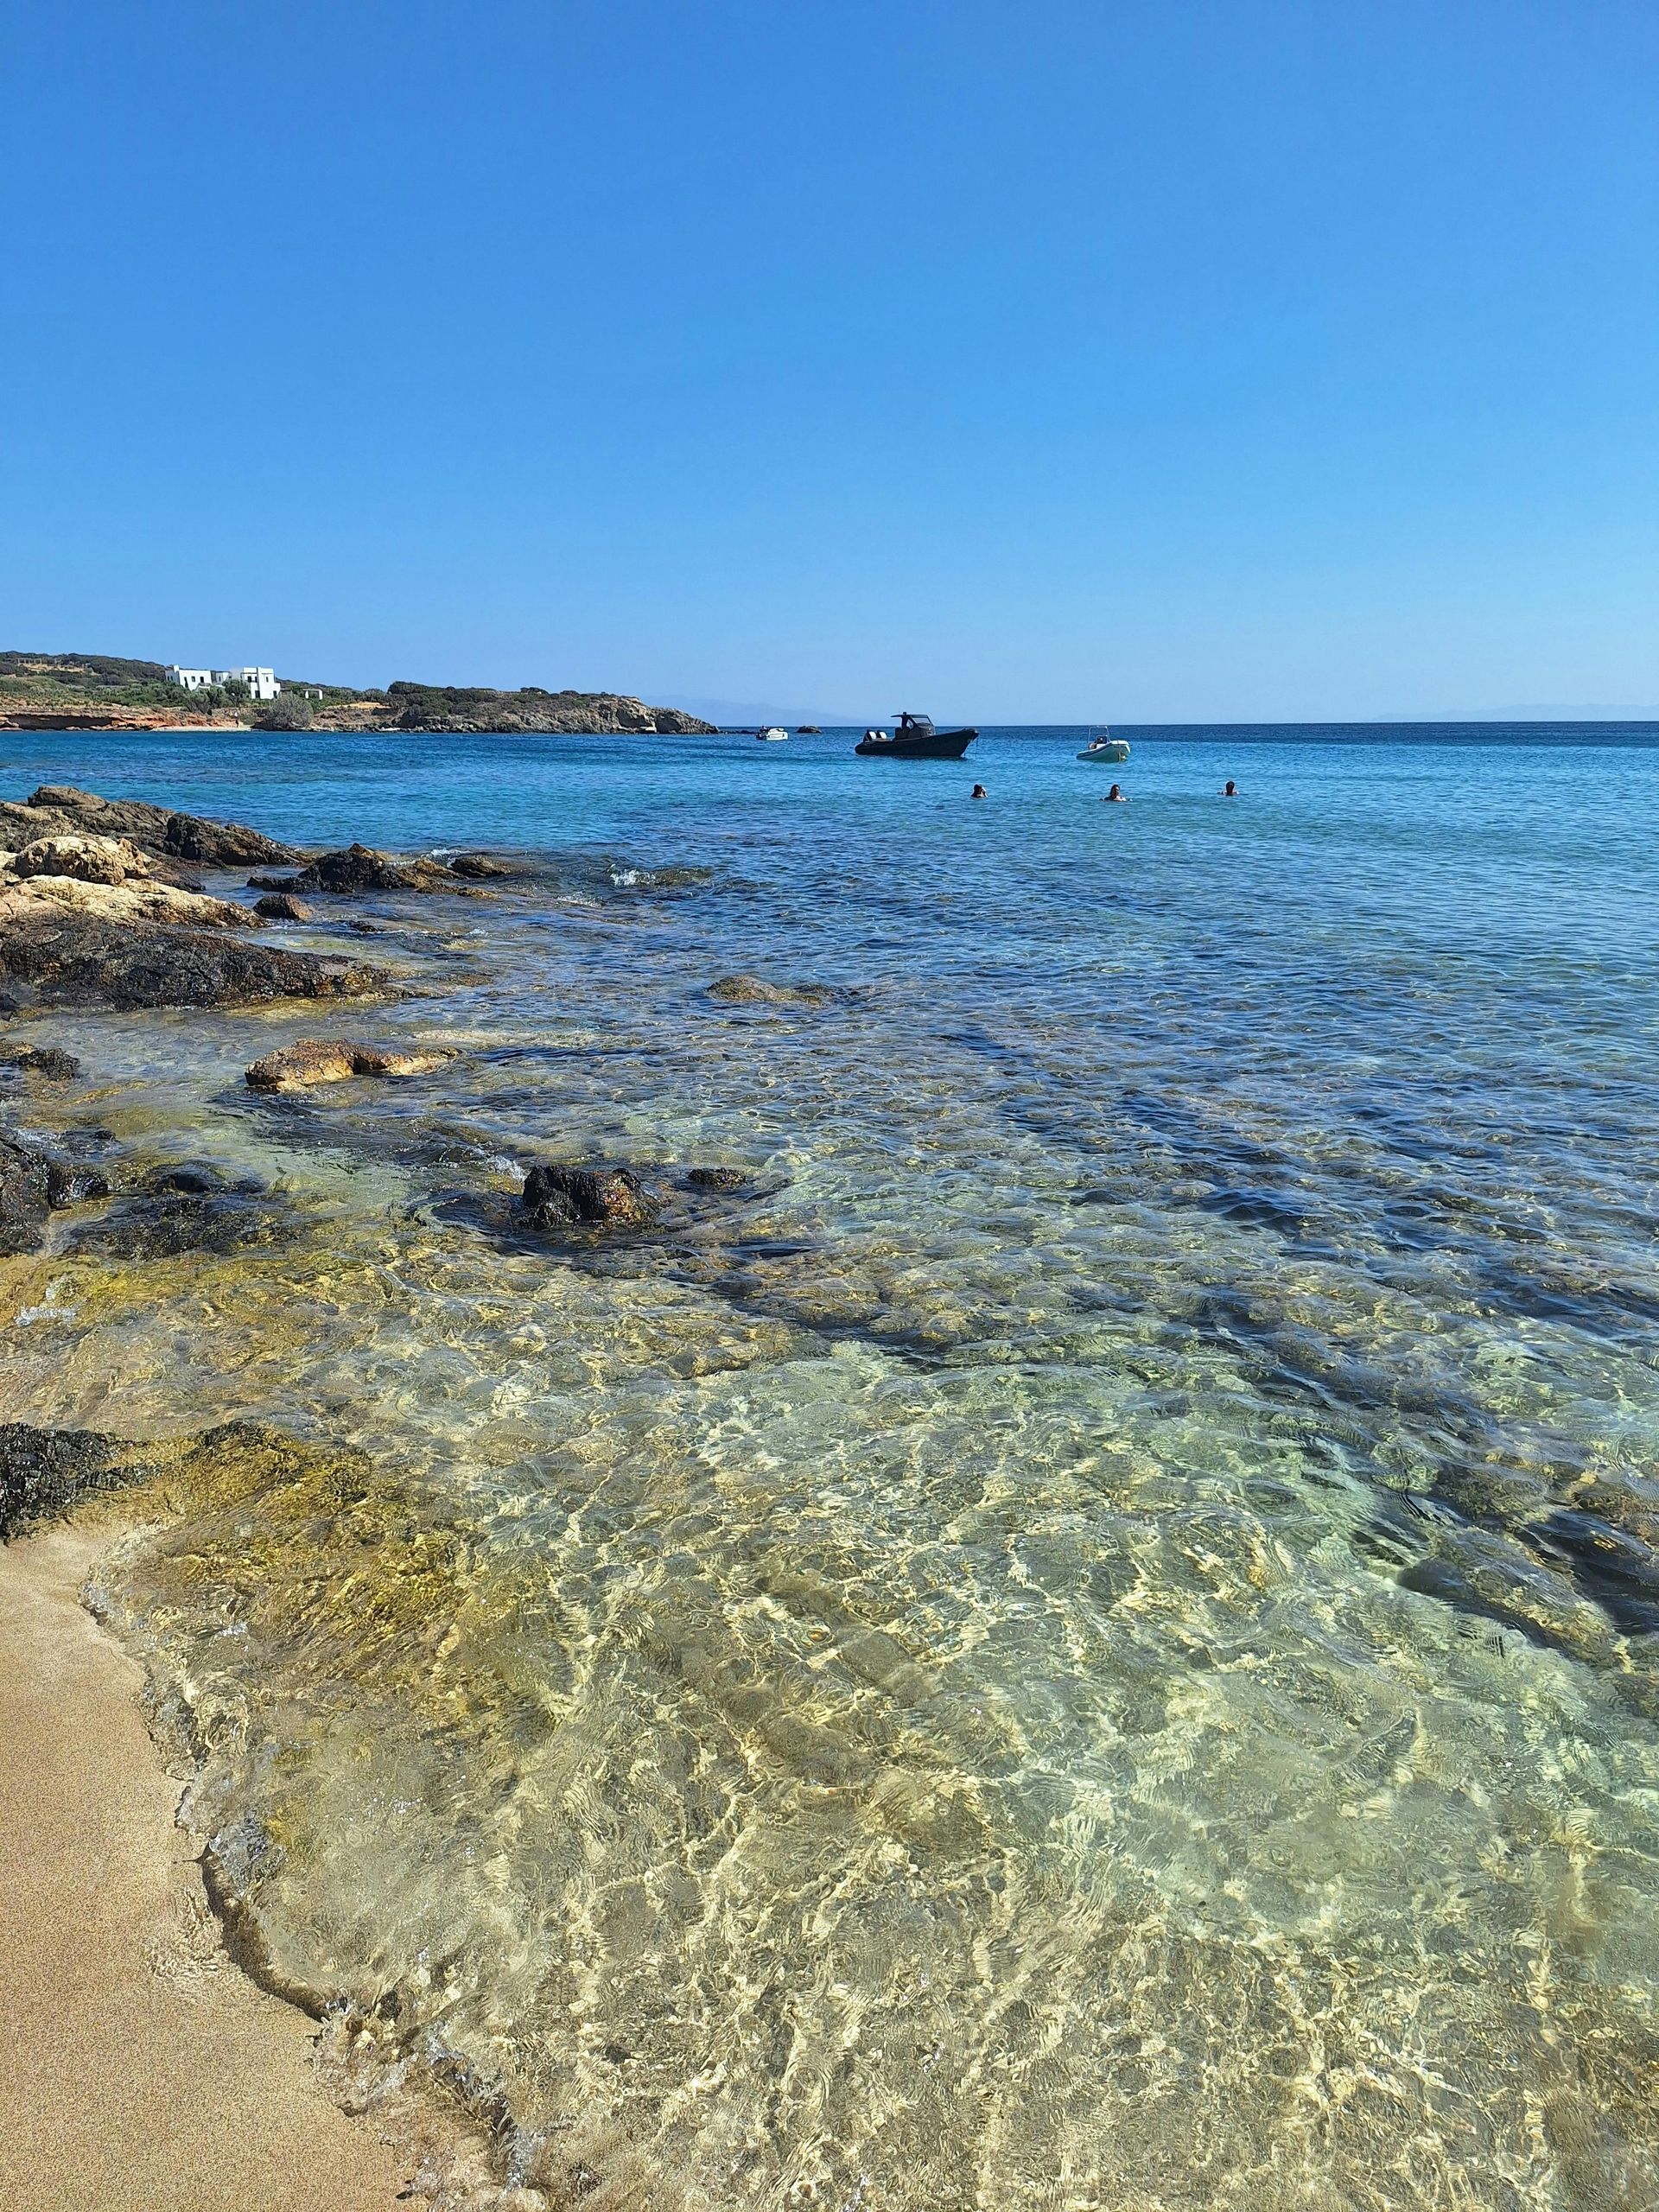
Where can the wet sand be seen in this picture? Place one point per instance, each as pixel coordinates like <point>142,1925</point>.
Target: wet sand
<point>140,2071</point>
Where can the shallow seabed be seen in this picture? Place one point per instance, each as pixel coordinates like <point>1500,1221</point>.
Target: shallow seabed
<point>1090,1639</point>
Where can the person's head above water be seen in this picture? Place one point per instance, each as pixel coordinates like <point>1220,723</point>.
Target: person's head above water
<point>978,791</point>
<point>1229,789</point>
<point>1115,792</point>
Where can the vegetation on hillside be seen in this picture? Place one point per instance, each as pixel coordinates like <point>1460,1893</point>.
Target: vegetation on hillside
<point>82,685</point>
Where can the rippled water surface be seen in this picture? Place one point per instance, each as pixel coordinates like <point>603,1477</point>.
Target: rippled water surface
<point>1088,1636</point>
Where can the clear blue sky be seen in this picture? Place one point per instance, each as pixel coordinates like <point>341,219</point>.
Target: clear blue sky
<point>1048,358</point>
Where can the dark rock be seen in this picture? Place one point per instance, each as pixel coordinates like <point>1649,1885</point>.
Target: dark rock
<point>69,1185</point>
<point>219,844</point>
<point>272,882</point>
<point>360,868</point>
<point>188,1209</point>
<point>716,1179</point>
<point>79,961</point>
<point>479,866</point>
<point>43,1060</point>
<point>35,1184</point>
<point>281,906</point>
<point>754,990</point>
<point>45,1471</point>
<point>60,809</point>
<point>591,1197</point>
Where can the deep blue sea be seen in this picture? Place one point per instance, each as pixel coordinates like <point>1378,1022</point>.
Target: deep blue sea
<point>1094,1637</point>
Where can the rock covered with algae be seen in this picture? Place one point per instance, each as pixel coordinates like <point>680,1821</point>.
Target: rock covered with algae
<point>35,1184</point>
<point>587,1198</point>
<point>756,990</point>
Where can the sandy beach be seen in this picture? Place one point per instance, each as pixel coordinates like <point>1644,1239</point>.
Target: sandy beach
<point>139,2070</point>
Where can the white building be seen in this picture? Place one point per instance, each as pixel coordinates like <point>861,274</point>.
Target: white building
<point>261,681</point>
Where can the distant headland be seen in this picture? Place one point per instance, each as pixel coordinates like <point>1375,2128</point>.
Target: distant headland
<point>103,691</point>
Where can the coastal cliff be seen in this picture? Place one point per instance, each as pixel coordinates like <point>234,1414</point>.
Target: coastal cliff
<point>101,692</point>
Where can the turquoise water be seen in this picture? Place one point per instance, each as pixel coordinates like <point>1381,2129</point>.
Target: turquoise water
<point>1093,1639</point>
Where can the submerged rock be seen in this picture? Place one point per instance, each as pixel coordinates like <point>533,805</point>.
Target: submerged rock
<point>78,959</point>
<point>717,1179</point>
<point>587,1197</point>
<point>46,1060</point>
<point>335,1060</point>
<point>281,906</point>
<point>479,865</point>
<point>34,1184</point>
<point>360,868</point>
<point>189,1209</point>
<point>46,1471</point>
<point>755,990</point>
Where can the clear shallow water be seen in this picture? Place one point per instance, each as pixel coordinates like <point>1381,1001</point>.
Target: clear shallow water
<point>1090,1642</point>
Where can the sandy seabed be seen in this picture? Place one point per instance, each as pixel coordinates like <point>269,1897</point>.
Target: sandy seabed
<point>139,2070</point>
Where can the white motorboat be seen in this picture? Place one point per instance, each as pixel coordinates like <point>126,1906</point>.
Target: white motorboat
<point>771,736</point>
<point>1105,747</point>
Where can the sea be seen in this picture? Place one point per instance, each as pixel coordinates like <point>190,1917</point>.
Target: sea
<point>1088,1634</point>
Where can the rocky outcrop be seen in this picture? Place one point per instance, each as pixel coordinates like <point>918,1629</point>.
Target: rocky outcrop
<point>34,1184</point>
<point>135,902</point>
<point>87,860</point>
<point>479,865</point>
<point>462,708</point>
<point>86,959</point>
<point>587,1198</point>
<point>314,1060</point>
<point>754,990</point>
<point>63,811</point>
<point>360,868</point>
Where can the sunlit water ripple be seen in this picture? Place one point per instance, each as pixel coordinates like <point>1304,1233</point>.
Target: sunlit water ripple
<point>1090,1639</point>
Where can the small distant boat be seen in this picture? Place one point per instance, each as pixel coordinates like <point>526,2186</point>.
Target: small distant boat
<point>1105,747</point>
<point>773,736</point>
<point>916,738</point>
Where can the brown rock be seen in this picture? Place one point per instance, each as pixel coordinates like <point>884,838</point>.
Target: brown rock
<point>314,1060</point>
<point>69,797</point>
<point>281,906</point>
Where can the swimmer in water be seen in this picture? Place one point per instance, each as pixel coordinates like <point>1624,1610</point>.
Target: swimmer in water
<point>1229,789</point>
<point>1117,796</point>
<point>978,791</point>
